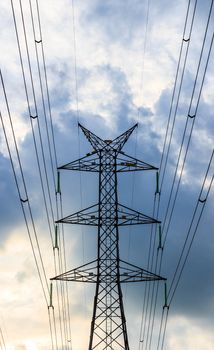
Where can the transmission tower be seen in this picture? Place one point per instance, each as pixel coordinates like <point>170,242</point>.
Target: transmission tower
<point>108,271</point>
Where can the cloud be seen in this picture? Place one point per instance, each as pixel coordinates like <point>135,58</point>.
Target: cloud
<point>180,335</point>
<point>10,213</point>
<point>120,81</point>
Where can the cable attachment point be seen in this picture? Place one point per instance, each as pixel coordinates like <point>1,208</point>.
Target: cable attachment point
<point>38,41</point>
<point>34,116</point>
<point>186,40</point>
<point>202,200</point>
<point>191,116</point>
<point>23,200</point>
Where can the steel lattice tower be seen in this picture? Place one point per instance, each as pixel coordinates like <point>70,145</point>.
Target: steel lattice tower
<point>108,271</point>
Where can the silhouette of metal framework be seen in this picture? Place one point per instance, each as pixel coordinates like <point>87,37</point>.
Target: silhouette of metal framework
<point>108,271</point>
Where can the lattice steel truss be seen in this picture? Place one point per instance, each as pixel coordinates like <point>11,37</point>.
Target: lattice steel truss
<point>108,271</point>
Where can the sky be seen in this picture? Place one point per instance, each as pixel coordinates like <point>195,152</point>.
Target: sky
<point>109,65</point>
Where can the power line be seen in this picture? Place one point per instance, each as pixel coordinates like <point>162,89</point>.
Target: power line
<point>46,84</point>
<point>2,340</point>
<point>61,248</point>
<point>23,210</point>
<point>174,90</point>
<point>157,196</point>
<point>196,207</point>
<point>136,133</point>
<point>194,224</point>
<point>191,130</point>
<point>201,202</point>
<point>36,110</point>
<point>30,116</point>
<point>24,79</point>
<point>43,99</point>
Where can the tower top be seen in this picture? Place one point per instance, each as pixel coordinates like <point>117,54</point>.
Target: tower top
<point>99,144</point>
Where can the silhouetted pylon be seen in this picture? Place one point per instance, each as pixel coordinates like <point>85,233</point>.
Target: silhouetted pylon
<point>108,271</point>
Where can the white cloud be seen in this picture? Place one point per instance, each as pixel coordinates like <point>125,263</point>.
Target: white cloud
<point>111,88</point>
<point>184,334</point>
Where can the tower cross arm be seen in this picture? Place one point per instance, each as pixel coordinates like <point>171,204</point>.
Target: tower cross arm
<point>128,216</point>
<point>125,216</point>
<point>88,273</point>
<point>132,273</point>
<point>87,216</point>
<point>90,162</point>
<point>126,163</point>
<point>83,273</point>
